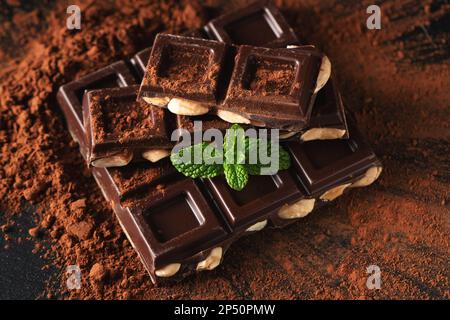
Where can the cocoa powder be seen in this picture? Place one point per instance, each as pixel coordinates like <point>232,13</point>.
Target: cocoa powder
<point>395,80</point>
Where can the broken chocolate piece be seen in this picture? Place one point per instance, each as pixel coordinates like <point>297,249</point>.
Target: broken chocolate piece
<point>322,165</point>
<point>119,128</point>
<point>70,95</point>
<point>184,68</point>
<point>268,87</point>
<point>273,86</point>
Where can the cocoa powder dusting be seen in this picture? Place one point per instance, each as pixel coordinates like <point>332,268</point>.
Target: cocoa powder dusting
<point>395,80</point>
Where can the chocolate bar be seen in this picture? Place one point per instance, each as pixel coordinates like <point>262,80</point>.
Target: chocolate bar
<point>327,117</point>
<point>179,225</point>
<point>259,24</point>
<point>253,85</point>
<point>327,120</point>
<point>120,129</point>
<point>151,199</point>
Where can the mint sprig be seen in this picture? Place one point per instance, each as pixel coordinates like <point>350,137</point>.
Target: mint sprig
<point>233,160</point>
<point>252,147</point>
<point>184,161</point>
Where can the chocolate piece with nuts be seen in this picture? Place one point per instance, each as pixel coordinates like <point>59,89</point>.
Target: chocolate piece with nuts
<point>119,128</point>
<point>251,85</point>
<point>70,96</point>
<point>272,87</point>
<point>185,71</point>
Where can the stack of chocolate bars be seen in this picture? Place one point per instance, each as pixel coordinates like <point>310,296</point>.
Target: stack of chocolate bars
<point>243,67</point>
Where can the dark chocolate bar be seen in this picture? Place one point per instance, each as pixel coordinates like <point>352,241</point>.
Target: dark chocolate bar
<point>166,216</point>
<point>151,199</point>
<point>328,120</point>
<point>120,129</point>
<point>258,24</point>
<point>327,117</point>
<point>268,87</point>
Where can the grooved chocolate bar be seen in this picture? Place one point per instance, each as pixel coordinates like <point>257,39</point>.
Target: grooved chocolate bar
<point>252,85</point>
<point>179,225</point>
<point>327,120</point>
<point>327,116</point>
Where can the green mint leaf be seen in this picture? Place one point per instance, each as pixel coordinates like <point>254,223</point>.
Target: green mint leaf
<point>236,175</point>
<point>285,159</point>
<point>234,145</point>
<point>252,146</point>
<point>253,169</point>
<point>204,160</point>
<point>206,168</point>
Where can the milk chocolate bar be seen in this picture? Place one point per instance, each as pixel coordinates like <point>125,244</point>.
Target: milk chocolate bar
<point>244,84</point>
<point>259,24</point>
<point>179,225</point>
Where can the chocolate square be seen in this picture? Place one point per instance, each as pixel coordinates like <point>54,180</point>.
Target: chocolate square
<point>70,96</point>
<point>274,86</point>
<point>183,66</point>
<point>324,164</point>
<point>260,197</point>
<point>115,122</point>
<point>140,59</point>
<point>259,24</point>
<point>177,221</point>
